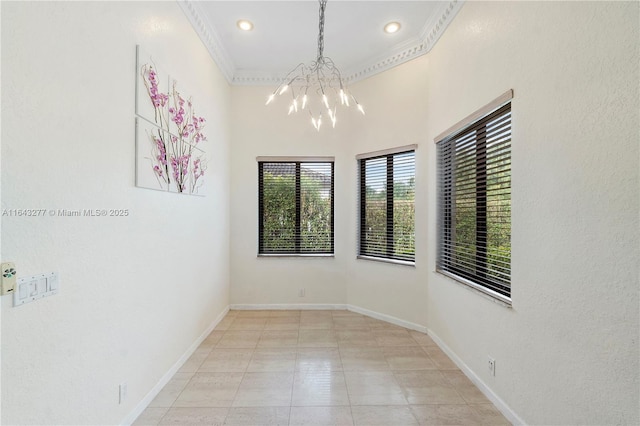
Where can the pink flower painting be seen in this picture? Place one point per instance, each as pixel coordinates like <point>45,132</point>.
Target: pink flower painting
<point>174,141</point>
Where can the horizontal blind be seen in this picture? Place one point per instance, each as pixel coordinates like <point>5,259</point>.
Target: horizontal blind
<point>474,223</point>
<point>295,207</point>
<point>387,206</point>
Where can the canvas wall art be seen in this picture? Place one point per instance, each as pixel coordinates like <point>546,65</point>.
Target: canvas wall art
<point>169,132</point>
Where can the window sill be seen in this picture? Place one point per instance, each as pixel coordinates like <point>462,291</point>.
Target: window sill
<point>385,260</point>
<point>486,293</point>
<point>296,255</point>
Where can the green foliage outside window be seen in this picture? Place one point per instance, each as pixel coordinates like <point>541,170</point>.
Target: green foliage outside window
<point>279,227</point>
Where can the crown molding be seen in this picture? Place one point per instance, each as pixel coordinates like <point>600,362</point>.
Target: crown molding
<point>410,49</point>
<point>401,53</point>
<point>209,37</point>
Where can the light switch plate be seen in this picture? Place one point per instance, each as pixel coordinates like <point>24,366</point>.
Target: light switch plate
<point>8,277</point>
<point>35,287</point>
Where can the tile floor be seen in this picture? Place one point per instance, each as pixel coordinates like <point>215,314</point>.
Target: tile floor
<point>318,368</point>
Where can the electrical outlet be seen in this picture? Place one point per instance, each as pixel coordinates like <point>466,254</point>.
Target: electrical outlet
<point>122,393</point>
<point>492,366</point>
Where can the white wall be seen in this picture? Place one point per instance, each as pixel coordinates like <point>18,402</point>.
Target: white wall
<point>395,102</point>
<point>567,352</point>
<point>136,292</point>
<point>258,130</point>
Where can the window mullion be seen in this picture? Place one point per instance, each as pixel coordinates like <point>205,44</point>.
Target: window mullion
<point>481,202</point>
<point>390,240</point>
<point>260,208</point>
<point>298,233</point>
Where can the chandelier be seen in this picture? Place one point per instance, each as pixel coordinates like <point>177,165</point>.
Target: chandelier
<point>317,86</point>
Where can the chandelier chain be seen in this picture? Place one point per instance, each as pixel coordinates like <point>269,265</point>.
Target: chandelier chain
<point>323,5</point>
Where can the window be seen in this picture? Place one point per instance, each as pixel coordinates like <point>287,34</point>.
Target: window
<point>387,209</point>
<point>295,206</point>
<point>474,203</point>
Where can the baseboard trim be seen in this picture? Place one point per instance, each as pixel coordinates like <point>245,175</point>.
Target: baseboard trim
<point>388,318</point>
<point>287,306</point>
<point>482,386</point>
<point>142,405</point>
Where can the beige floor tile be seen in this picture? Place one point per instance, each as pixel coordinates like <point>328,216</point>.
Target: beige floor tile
<point>386,337</point>
<point>264,390</point>
<point>283,323</point>
<point>439,358</point>
<point>318,359</point>
<point>151,416</point>
<point>408,358</point>
<point>465,387</point>
<point>318,323</point>
<point>318,367</point>
<point>355,337</point>
<point>349,322</point>
<point>376,324</point>
<point>422,338</point>
<point>373,388</point>
<point>278,339</point>
<point>279,313</point>
<point>427,387</point>
<point>317,338</point>
<point>224,324</point>
<point>241,323</point>
<point>489,415</point>
<point>252,314</point>
<point>195,361</point>
<point>277,359</point>
<point>383,416</point>
<point>258,416</point>
<point>210,390</point>
<point>195,416</point>
<point>316,313</point>
<point>319,388</point>
<point>439,414</point>
<point>239,339</point>
<point>346,313</point>
<point>212,339</point>
<point>222,360</point>
<point>363,359</point>
<point>321,416</point>
<point>169,393</point>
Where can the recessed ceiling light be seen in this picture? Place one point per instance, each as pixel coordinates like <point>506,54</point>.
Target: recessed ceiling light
<point>245,25</point>
<point>392,27</point>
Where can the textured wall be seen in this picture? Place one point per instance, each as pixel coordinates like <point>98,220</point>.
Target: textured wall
<point>567,353</point>
<point>136,292</point>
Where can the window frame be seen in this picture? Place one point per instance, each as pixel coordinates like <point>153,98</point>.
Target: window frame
<point>361,163</point>
<point>477,120</point>
<point>298,161</point>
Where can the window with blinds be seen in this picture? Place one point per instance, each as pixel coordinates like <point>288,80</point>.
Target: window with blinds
<point>387,208</point>
<point>295,203</point>
<point>474,183</point>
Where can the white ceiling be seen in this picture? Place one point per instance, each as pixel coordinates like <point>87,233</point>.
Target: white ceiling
<point>286,32</point>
